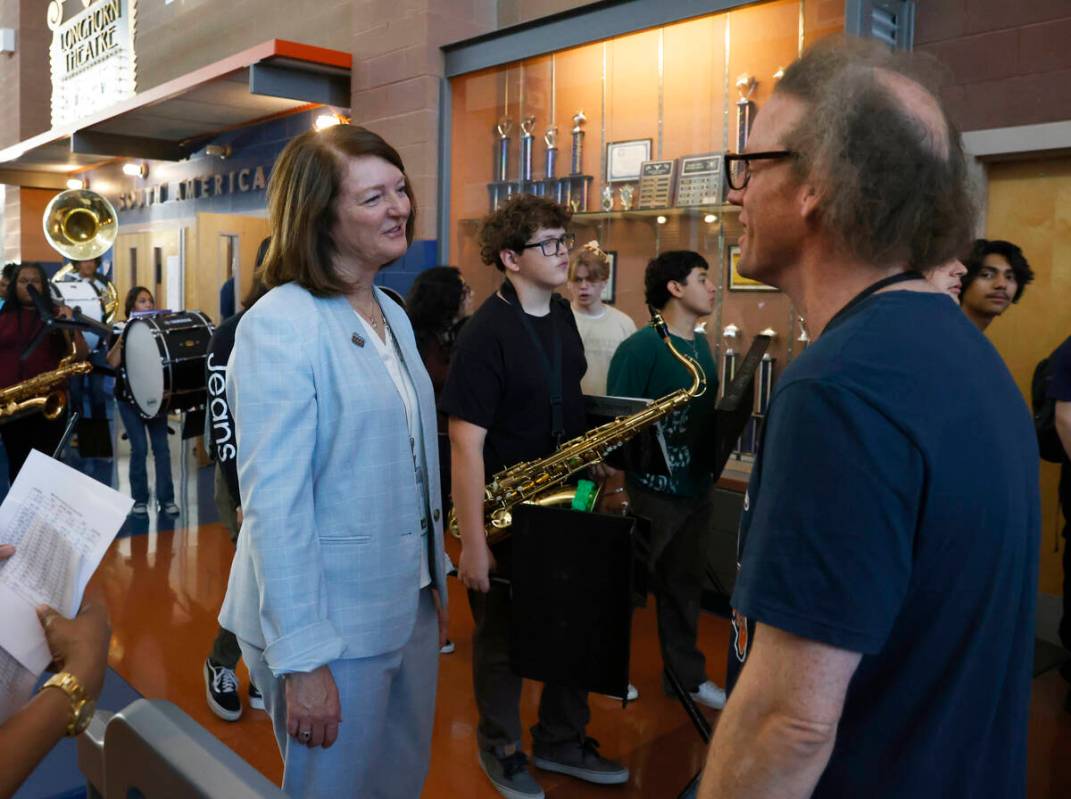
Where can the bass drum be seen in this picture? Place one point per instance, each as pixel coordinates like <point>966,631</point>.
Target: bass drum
<point>83,295</point>
<point>164,362</point>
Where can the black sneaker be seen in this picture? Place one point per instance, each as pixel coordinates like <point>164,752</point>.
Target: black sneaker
<point>510,775</point>
<point>221,690</point>
<point>256,699</point>
<point>580,759</point>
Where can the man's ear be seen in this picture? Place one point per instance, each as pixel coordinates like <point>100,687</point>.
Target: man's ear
<point>509,260</point>
<point>810,198</point>
<point>675,288</point>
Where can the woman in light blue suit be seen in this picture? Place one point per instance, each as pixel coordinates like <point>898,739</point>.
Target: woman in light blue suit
<point>337,592</point>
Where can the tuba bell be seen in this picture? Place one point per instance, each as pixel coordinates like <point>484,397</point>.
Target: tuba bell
<point>82,225</point>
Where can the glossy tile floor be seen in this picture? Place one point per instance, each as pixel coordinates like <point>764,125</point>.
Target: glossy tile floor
<point>163,581</point>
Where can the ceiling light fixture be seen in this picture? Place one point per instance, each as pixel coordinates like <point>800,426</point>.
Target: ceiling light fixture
<point>75,183</point>
<point>136,169</point>
<point>329,120</point>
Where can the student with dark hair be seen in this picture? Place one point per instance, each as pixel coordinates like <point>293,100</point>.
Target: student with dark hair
<point>20,324</point>
<point>502,411</point>
<point>218,670</point>
<point>5,281</point>
<point>438,304</point>
<point>94,383</point>
<point>1059,391</point>
<point>997,274</point>
<point>680,504</point>
<point>143,432</point>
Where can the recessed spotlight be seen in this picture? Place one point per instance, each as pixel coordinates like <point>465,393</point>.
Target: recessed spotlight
<point>136,169</point>
<point>710,218</point>
<point>660,220</point>
<point>75,183</point>
<point>325,121</point>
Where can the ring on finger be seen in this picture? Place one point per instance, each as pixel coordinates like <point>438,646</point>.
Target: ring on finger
<point>305,735</point>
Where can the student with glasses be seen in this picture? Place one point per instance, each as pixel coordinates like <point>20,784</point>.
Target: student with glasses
<point>501,411</point>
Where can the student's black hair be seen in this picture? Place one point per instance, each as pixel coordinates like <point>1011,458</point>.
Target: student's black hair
<point>671,265</point>
<point>1011,253</point>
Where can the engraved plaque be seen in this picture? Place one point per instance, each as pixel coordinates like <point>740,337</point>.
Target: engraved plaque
<point>701,181</point>
<point>656,184</point>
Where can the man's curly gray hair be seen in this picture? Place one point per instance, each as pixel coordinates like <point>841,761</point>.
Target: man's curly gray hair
<point>885,158</point>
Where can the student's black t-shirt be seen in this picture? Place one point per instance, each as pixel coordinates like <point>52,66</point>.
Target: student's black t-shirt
<point>893,511</point>
<point>497,380</point>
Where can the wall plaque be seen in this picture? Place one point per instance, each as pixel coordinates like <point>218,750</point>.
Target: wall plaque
<point>656,184</point>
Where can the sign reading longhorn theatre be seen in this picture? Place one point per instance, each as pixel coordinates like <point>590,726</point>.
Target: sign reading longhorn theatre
<point>92,54</point>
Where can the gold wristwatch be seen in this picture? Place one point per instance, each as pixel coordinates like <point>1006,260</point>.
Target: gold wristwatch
<point>82,707</point>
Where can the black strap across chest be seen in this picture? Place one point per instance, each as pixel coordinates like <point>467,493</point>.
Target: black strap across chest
<point>552,369</point>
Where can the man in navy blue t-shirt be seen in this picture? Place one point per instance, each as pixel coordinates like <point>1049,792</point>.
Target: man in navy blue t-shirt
<point>884,608</point>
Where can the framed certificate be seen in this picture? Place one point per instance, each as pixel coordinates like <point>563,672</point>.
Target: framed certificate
<point>623,159</point>
<point>738,282</point>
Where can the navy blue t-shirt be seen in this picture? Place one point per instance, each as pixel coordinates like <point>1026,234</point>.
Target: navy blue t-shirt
<point>894,511</point>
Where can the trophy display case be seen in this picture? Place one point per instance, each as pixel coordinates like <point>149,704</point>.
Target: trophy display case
<point>630,132</point>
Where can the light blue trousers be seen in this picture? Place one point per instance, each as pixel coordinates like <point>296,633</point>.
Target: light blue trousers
<point>388,711</point>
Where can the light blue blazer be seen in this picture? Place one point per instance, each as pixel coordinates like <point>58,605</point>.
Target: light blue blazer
<point>328,560</point>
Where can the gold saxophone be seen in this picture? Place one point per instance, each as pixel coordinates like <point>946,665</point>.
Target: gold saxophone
<point>534,482</point>
<point>46,393</point>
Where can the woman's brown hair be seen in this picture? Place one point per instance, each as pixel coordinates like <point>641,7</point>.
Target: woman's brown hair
<point>301,195</point>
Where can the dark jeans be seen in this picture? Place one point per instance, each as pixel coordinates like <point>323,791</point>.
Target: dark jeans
<point>98,396</point>
<point>225,650</point>
<point>136,428</point>
<point>563,711</point>
<point>30,432</point>
<point>680,530</point>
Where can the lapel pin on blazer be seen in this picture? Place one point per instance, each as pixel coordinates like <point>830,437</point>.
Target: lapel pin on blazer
<point>357,340</point>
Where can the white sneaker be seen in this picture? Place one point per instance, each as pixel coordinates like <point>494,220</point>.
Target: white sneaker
<point>710,695</point>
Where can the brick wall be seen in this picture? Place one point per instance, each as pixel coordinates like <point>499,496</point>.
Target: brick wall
<point>175,39</point>
<point>1010,61</point>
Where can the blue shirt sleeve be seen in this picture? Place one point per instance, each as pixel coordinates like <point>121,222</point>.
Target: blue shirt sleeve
<point>829,541</point>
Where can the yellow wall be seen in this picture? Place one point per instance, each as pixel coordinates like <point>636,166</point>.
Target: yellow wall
<point>205,265</point>
<point>1030,205</point>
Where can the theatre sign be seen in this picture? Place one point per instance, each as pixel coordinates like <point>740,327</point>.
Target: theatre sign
<point>92,53</point>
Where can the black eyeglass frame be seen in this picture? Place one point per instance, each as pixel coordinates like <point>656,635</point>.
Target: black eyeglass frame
<point>731,159</point>
<point>566,240</point>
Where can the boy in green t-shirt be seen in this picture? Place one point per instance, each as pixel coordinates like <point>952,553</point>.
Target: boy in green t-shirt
<point>679,505</point>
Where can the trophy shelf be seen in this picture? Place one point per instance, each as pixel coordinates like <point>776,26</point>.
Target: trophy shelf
<point>697,212</point>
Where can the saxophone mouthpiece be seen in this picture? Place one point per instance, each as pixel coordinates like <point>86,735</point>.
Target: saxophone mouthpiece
<point>658,323</point>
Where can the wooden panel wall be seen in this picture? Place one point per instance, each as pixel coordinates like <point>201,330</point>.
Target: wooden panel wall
<point>1030,205</point>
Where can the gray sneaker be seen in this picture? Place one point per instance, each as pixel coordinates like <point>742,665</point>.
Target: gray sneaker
<point>510,775</point>
<point>580,759</point>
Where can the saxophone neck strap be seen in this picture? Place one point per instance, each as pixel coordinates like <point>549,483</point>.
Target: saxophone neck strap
<point>552,369</point>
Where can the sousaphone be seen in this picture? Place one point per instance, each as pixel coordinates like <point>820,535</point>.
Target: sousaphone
<point>81,225</point>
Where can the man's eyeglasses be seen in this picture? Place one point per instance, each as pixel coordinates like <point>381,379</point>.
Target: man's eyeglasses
<point>551,247</point>
<point>738,165</point>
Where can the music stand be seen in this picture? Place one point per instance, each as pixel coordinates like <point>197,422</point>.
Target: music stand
<point>571,598</point>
